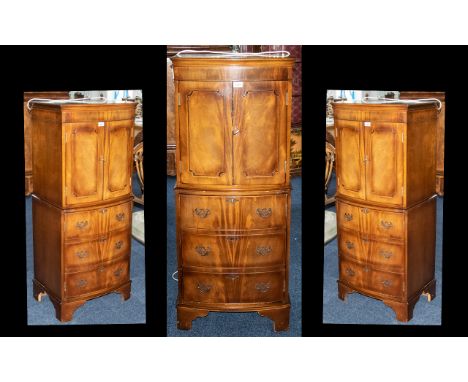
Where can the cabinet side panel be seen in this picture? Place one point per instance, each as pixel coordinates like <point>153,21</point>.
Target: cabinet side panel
<point>421,155</point>
<point>47,245</point>
<point>421,223</point>
<point>47,155</point>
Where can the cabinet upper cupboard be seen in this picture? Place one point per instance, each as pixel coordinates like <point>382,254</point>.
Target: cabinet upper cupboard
<point>232,126</point>
<point>91,163</point>
<point>387,152</point>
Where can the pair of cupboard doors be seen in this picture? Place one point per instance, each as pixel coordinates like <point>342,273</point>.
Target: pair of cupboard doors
<point>95,161</point>
<point>233,132</point>
<point>372,160</point>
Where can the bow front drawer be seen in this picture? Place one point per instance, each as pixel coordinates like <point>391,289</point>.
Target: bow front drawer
<point>211,250</point>
<point>106,276</point>
<point>233,212</point>
<point>233,287</point>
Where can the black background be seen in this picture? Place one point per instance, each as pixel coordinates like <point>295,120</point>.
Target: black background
<point>144,67</point>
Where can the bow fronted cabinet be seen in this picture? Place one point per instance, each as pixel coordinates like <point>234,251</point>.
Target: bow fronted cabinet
<point>233,118</point>
<point>386,202</point>
<point>82,201</point>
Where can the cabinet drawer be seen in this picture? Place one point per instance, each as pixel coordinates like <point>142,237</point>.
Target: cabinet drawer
<point>366,278</point>
<point>233,212</point>
<point>233,288</point>
<point>110,247</point>
<point>387,224</point>
<point>347,216</point>
<point>383,254</point>
<point>81,225</point>
<point>105,276</point>
<point>210,250</point>
<point>89,223</point>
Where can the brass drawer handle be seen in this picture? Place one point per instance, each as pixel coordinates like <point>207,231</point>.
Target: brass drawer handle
<point>386,224</point>
<point>81,224</point>
<point>120,216</point>
<point>365,210</point>
<point>350,272</point>
<point>103,210</point>
<point>386,283</point>
<point>202,251</point>
<point>82,254</point>
<point>201,212</point>
<point>232,238</point>
<point>118,272</point>
<point>203,288</point>
<point>386,254</point>
<point>232,200</point>
<point>263,287</point>
<point>82,283</point>
<point>263,251</point>
<point>349,245</point>
<point>263,212</point>
<point>348,217</point>
<point>119,244</point>
<point>232,277</point>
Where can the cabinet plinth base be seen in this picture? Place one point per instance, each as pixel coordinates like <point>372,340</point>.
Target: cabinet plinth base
<point>278,314</point>
<point>403,310</point>
<point>64,310</point>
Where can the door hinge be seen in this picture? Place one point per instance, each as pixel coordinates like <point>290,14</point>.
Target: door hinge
<point>365,158</point>
<point>287,99</point>
<point>64,286</point>
<point>337,180</point>
<point>178,99</point>
<point>402,138</point>
<point>285,166</point>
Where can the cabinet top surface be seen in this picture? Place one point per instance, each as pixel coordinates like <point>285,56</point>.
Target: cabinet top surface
<point>216,60</point>
<point>387,105</point>
<point>79,105</point>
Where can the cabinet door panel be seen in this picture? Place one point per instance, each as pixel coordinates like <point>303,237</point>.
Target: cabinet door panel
<point>260,134</point>
<point>384,170</point>
<point>204,132</point>
<point>84,154</point>
<point>118,163</point>
<point>350,156</point>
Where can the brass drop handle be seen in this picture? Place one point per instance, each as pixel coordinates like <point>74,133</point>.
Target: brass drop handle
<point>202,251</point>
<point>101,268</point>
<point>232,200</point>
<point>103,210</point>
<point>120,216</point>
<point>201,212</point>
<point>264,212</point>
<point>81,224</point>
<point>119,244</point>
<point>232,277</point>
<point>348,217</point>
<point>386,224</point>
<point>349,245</point>
<point>263,287</point>
<point>103,238</point>
<point>350,272</point>
<point>82,283</point>
<point>386,283</point>
<point>118,272</point>
<point>203,288</point>
<point>232,238</point>
<point>82,254</point>
<point>365,210</point>
<point>386,254</point>
<point>263,251</point>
